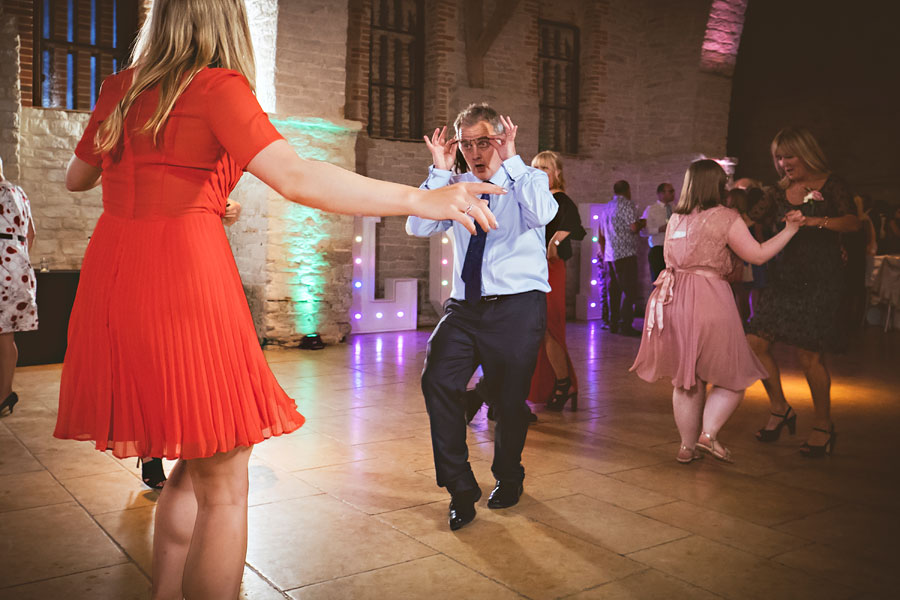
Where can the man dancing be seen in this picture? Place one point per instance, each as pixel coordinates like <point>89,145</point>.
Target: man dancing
<point>496,314</point>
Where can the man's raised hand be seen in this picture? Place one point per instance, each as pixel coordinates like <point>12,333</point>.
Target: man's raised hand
<point>505,143</point>
<point>443,151</point>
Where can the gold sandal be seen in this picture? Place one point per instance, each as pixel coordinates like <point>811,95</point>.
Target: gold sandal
<point>687,455</point>
<point>724,454</point>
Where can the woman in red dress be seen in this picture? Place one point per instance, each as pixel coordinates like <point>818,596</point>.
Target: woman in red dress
<point>554,380</point>
<point>163,358</point>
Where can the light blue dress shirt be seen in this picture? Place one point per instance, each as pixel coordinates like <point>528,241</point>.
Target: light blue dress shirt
<point>515,258</point>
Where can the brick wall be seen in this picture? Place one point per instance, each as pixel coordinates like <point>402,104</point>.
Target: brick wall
<point>10,94</point>
<point>20,15</point>
<point>311,62</point>
<point>647,108</point>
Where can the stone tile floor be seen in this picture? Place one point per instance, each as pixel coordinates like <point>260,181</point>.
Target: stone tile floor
<point>347,506</point>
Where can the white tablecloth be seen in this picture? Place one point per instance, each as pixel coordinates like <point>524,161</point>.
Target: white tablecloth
<point>884,282</point>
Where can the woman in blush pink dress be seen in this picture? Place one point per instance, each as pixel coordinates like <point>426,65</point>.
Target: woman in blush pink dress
<point>692,332</point>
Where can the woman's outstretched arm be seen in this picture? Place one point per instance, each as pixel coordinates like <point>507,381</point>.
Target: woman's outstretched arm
<point>744,245</point>
<point>327,187</point>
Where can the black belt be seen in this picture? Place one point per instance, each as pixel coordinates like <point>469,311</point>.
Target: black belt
<point>495,297</point>
<point>9,236</point>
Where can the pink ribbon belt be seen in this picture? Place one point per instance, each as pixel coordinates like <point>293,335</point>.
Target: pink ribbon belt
<point>665,285</point>
<point>665,291</point>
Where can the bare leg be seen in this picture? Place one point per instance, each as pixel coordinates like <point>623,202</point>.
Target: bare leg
<point>9,354</point>
<point>720,405</point>
<point>557,356</point>
<point>688,408</point>
<point>777,403</point>
<point>176,512</point>
<point>215,561</point>
<point>819,381</point>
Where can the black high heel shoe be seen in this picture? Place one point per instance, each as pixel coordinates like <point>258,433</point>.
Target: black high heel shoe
<point>152,473</point>
<point>820,451</point>
<point>561,395</point>
<point>789,418</point>
<point>9,403</point>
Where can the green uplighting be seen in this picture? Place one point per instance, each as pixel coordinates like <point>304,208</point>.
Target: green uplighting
<point>305,228</point>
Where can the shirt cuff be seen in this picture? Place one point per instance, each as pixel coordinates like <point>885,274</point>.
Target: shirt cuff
<point>515,167</point>
<point>437,177</point>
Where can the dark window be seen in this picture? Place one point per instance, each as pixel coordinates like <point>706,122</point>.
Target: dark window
<point>396,69</point>
<point>77,44</point>
<point>558,84</point>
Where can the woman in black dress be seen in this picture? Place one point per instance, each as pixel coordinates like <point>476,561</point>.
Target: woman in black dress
<point>801,306</point>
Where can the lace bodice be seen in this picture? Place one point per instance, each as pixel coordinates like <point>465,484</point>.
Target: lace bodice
<point>700,241</point>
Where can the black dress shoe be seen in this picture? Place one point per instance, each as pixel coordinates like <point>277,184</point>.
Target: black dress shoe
<point>473,404</point>
<point>630,332</point>
<point>462,508</point>
<point>505,494</point>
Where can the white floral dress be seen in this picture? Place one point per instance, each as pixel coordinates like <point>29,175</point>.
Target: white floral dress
<point>18,300</point>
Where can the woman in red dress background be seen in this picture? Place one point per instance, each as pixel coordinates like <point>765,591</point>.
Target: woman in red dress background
<point>163,358</point>
<point>554,380</point>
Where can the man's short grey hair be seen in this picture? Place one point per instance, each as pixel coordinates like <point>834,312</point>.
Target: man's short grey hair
<point>474,114</point>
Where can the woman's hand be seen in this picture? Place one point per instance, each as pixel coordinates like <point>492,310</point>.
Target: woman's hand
<point>232,212</point>
<point>505,143</point>
<point>552,250</point>
<point>459,202</point>
<point>443,151</point>
<point>794,220</point>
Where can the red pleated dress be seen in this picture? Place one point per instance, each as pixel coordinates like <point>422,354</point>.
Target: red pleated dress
<point>163,358</point>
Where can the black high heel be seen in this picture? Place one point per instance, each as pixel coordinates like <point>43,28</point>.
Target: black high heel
<point>9,403</point>
<point>561,395</point>
<point>152,473</point>
<point>789,418</point>
<point>820,451</point>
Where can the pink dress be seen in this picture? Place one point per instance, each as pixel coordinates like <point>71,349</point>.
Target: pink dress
<point>692,328</point>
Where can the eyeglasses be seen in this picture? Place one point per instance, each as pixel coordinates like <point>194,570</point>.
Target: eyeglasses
<point>482,143</point>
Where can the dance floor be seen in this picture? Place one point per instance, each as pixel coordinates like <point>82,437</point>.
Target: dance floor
<point>347,506</point>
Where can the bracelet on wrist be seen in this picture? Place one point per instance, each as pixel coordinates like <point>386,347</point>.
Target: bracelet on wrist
<point>824,223</point>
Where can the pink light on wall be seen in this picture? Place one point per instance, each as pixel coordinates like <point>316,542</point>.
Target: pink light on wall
<point>723,36</point>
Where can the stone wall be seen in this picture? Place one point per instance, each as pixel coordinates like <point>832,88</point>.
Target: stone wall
<point>64,220</point>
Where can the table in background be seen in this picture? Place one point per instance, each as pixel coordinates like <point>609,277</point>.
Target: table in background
<point>55,296</point>
<point>883,282</point>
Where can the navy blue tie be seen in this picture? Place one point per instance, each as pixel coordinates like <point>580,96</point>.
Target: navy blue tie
<point>471,271</point>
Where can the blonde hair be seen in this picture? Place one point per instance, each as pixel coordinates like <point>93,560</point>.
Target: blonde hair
<point>548,158</point>
<point>799,142</point>
<point>704,186</point>
<point>178,40</point>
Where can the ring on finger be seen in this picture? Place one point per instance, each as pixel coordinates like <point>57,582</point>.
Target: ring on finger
<point>469,209</point>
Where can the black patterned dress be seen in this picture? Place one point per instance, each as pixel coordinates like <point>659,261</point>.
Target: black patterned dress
<point>801,306</point>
